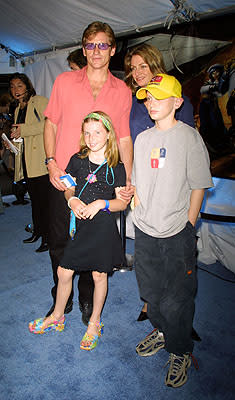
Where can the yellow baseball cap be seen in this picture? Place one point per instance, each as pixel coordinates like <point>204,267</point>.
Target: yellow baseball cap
<point>161,87</point>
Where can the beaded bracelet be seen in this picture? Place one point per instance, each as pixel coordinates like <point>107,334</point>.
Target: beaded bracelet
<point>71,198</point>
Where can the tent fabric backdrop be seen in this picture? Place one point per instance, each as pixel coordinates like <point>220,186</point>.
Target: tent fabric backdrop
<point>217,239</point>
<point>44,71</point>
<point>28,26</point>
<point>44,24</point>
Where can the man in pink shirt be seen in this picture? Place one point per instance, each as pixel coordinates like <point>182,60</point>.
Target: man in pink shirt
<point>74,95</point>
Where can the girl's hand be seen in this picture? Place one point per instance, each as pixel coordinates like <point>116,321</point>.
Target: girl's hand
<point>77,206</point>
<point>90,210</point>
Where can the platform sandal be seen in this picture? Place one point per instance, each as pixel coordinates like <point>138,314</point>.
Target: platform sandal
<point>36,326</point>
<point>89,342</point>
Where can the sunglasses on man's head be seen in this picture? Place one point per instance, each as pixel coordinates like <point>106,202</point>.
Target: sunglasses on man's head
<point>101,46</point>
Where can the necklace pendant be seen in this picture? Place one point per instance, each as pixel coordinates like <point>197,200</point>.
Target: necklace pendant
<point>93,178</point>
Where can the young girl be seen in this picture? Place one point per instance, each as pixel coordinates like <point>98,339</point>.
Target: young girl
<point>95,244</point>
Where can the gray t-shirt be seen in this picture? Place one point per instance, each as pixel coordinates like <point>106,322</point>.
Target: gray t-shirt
<point>167,166</point>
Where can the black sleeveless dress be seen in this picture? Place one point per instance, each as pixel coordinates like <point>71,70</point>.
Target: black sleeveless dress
<point>97,243</point>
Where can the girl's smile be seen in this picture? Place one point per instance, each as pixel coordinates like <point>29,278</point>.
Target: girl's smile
<point>95,136</point>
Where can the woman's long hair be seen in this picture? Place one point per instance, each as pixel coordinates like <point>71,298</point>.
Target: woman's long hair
<point>151,56</point>
<point>111,151</point>
<point>30,91</point>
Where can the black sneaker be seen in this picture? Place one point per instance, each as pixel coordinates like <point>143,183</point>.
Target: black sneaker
<point>177,373</point>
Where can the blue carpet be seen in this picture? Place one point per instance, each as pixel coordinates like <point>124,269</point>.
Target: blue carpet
<point>52,366</point>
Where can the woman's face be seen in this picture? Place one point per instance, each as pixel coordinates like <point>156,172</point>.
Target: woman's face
<point>18,89</point>
<point>140,71</point>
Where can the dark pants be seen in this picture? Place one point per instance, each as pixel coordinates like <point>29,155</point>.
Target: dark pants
<point>38,189</point>
<point>58,236</point>
<point>166,275</point>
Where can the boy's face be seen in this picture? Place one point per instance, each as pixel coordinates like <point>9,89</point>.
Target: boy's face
<point>160,110</point>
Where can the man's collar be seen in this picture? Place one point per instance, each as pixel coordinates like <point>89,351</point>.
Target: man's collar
<point>82,75</point>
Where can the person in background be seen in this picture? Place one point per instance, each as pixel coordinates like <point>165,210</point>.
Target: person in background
<point>99,176</point>
<point>76,60</point>
<point>73,96</point>
<point>170,174</point>
<point>141,64</point>
<point>27,134</point>
<point>6,120</point>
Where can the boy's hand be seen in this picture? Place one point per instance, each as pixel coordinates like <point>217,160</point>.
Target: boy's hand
<point>127,192</point>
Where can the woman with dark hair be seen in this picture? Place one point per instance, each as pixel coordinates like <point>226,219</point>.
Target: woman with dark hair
<point>27,135</point>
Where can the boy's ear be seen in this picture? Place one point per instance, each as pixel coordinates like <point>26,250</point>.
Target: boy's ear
<point>178,102</point>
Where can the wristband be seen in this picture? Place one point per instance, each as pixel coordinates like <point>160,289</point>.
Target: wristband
<point>106,208</point>
<point>71,198</point>
<point>106,205</point>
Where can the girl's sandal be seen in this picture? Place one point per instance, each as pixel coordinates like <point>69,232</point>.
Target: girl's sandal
<point>36,326</point>
<point>89,342</point>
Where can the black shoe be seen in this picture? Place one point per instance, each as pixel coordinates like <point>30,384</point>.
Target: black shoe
<point>32,238</point>
<point>86,310</point>
<point>29,228</point>
<point>143,316</point>
<point>195,336</point>
<point>20,202</point>
<point>67,310</point>
<point>42,248</point>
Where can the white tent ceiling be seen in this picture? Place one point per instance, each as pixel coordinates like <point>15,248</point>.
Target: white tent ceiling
<point>31,26</point>
<point>41,33</point>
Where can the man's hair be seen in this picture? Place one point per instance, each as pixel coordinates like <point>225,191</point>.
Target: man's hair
<point>29,86</point>
<point>151,56</point>
<point>77,58</point>
<point>96,27</point>
<point>111,151</point>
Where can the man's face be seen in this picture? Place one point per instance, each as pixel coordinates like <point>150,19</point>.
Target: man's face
<point>97,58</point>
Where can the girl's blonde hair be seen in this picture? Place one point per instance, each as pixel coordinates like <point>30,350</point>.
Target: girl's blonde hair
<point>111,152</point>
<point>151,56</point>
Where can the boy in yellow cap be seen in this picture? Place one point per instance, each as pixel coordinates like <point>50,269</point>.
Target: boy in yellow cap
<point>170,174</point>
